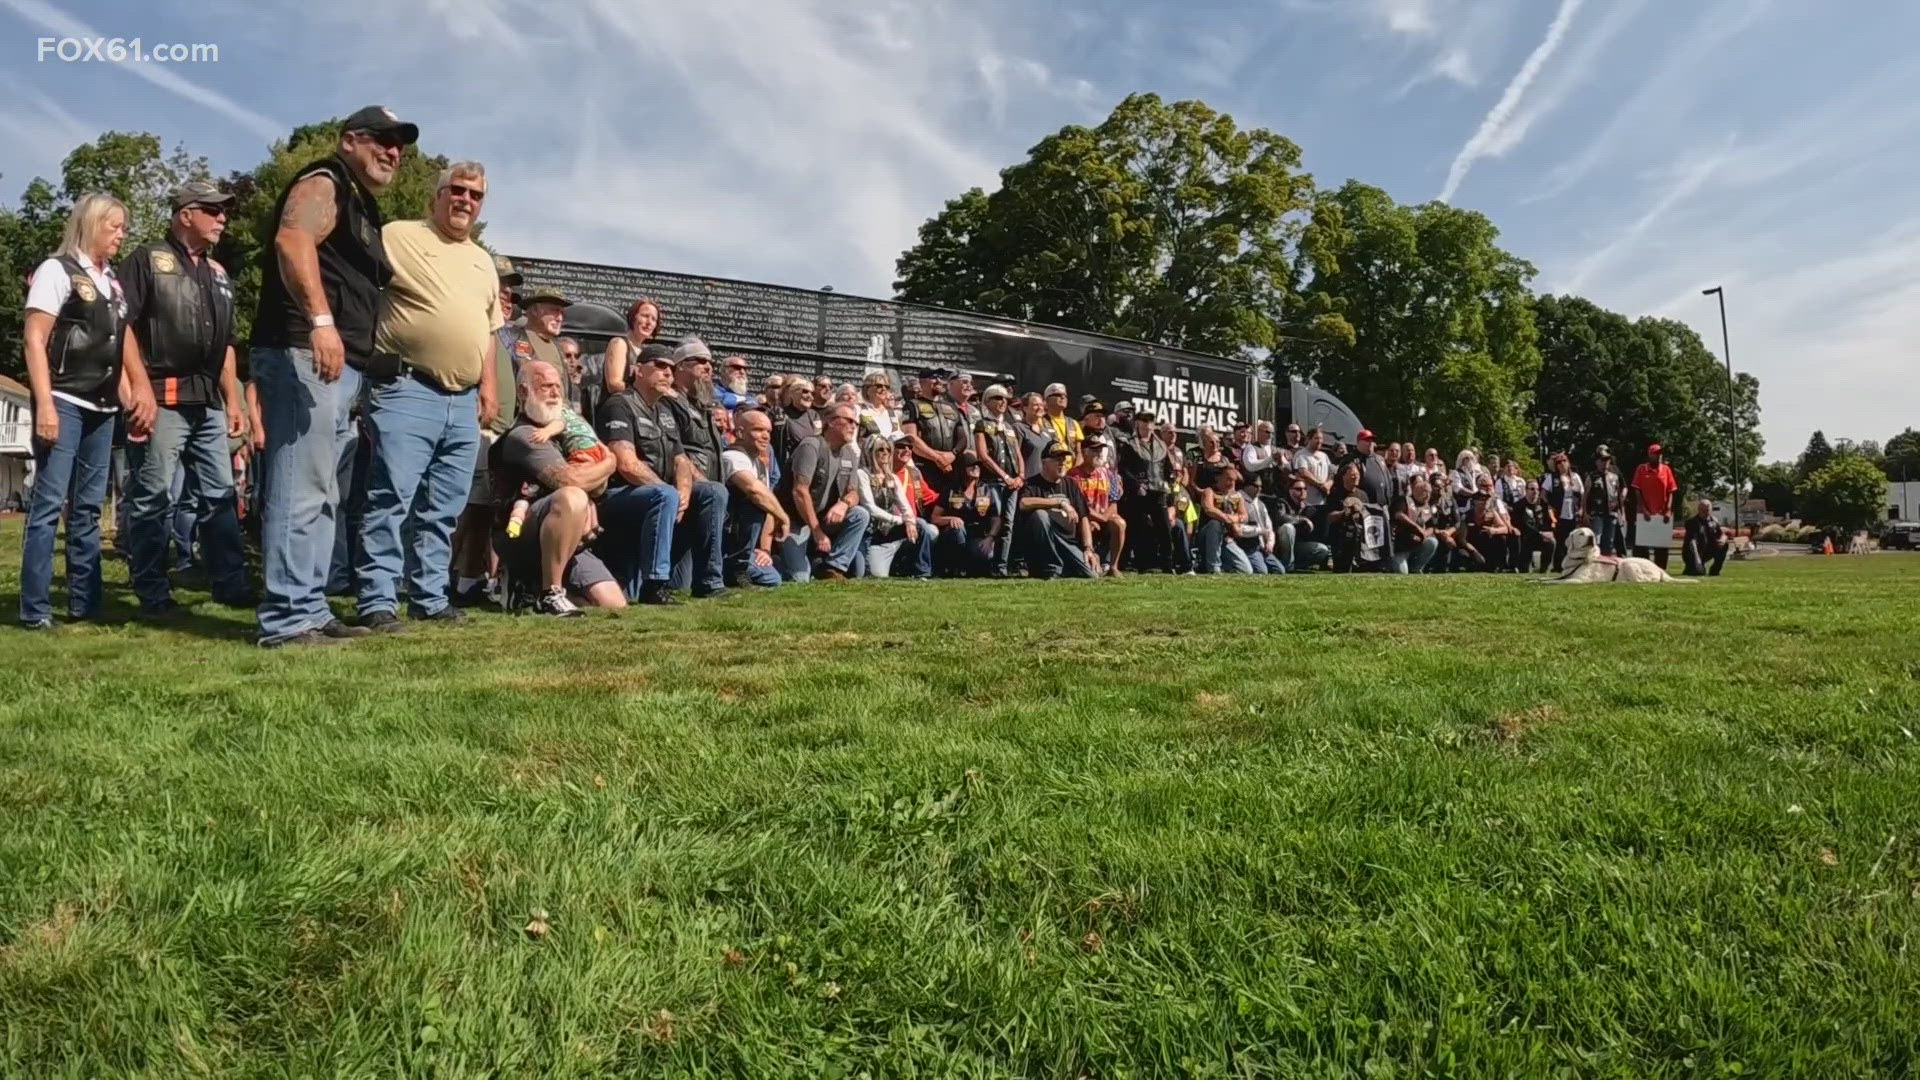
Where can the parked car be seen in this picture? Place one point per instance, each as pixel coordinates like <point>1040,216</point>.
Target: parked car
<point>1900,536</point>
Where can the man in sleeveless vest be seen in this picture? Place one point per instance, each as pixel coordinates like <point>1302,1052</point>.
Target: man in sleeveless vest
<point>180,330</point>
<point>320,293</point>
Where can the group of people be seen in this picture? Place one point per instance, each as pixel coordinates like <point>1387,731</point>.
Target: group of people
<point>399,371</point>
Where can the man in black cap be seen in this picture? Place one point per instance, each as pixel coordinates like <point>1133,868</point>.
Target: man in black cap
<point>1146,481</point>
<point>1054,531</point>
<point>179,355</point>
<point>935,429</point>
<point>320,291</point>
<point>1605,490</point>
<point>652,478</point>
<point>1093,424</point>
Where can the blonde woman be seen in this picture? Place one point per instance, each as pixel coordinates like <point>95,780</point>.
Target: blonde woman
<point>75,317</point>
<point>894,522</point>
<point>643,321</point>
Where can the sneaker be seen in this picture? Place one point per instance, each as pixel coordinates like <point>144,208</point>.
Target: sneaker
<point>304,637</point>
<point>828,573</point>
<point>712,594</point>
<point>340,631</point>
<point>658,593</point>
<point>382,622</point>
<point>36,624</point>
<point>554,602</point>
<point>448,614</point>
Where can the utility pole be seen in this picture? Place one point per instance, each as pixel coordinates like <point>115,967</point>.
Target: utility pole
<point>1733,421</point>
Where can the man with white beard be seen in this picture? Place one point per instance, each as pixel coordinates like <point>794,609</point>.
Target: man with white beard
<point>697,553</point>
<point>545,492</point>
<point>732,387</point>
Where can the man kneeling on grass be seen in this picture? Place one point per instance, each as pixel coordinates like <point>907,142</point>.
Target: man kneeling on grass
<point>545,488</point>
<point>1054,531</point>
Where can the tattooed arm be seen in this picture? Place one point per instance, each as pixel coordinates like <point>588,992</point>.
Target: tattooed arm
<point>308,219</point>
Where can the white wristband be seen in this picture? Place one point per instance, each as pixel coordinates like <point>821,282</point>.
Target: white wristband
<point>322,320</point>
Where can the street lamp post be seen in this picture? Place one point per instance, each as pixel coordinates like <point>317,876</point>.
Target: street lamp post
<point>1733,421</point>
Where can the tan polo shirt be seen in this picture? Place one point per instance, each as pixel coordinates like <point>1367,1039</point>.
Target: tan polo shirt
<point>442,305</point>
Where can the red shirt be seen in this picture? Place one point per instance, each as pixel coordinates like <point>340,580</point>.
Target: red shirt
<point>1656,486</point>
<point>1094,485</point>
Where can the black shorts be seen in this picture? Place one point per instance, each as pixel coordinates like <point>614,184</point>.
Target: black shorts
<point>523,554</point>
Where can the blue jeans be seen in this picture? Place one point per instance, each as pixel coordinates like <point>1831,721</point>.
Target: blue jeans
<point>1210,539</point>
<point>75,466</point>
<point>421,442</point>
<point>194,436</point>
<point>186,516</point>
<point>637,534</point>
<point>794,555</point>
<point>742,537</point>
<point>351,481</point>
<point>883,558</point>
<point>1606,535</point>
<point>696,540</point>
<point>1049,554</point>
<point>1415,561</point>
<point>308,422</point>
<point>1258,561</point>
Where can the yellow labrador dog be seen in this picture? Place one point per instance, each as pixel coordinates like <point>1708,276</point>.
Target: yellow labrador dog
<point>1586,566</point>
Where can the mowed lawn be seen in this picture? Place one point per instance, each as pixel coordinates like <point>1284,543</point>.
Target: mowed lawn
<point>1159,827</point>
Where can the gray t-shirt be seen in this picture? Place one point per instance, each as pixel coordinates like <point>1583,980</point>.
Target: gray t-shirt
<point>828,474</point>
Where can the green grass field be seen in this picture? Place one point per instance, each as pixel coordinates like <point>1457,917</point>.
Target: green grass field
<point>1159,827</point>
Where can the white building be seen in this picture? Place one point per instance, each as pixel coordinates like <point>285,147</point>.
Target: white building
<point>1903,500</point>
<point>16,440</point>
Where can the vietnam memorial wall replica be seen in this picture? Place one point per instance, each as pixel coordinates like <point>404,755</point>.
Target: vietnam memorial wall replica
<point>778,328</point>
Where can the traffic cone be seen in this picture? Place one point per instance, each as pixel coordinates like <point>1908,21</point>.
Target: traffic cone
<point>1826,547</point>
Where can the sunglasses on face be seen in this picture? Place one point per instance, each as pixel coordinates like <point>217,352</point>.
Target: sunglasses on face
<point>570,355</point>
<point>474,193</point>
<point>213,211</point>
<point>1056,395</point>
<point>736,367</point>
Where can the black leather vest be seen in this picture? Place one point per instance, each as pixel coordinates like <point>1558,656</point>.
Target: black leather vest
<point>185,328</point>
<point>83,351</point>
<point>353,270</point>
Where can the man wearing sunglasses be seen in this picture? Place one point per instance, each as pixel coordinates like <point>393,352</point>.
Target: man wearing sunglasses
<point>320,290</point>
<point>429,392</point>
<point>179,360</point>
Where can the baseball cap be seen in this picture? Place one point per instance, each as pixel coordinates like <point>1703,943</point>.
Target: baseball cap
<point>965,459</point>
<point>379,120</point>
<point>930,373</point>
<point>1092,405</point>
<point>546,295</point>
<point>650,353</point>
<point>503,268</point>
<point>1093,442</point>
<point>1056,388</point>
<point>1145,414</point>
<point>1654,448</point>
<point>1603,451</point>
<point>199,193</point>
<point>1364,434</point>
<point>996,391</point>
<point>1056,449</point>
<point>692,348</point>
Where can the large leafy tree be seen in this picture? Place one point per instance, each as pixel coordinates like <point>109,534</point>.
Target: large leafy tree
<point>1416,318</point>
<point>1166,222</point>
<point>1814,458</point>
<point>1773,484</point>
<point>1607,379</point>
<point>1849,492</point>
<point>1903,456</point>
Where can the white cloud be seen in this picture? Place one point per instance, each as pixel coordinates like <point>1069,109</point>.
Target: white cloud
<point>1499,131</point>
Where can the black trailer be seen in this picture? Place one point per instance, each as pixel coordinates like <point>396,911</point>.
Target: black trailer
<point>779,328</point>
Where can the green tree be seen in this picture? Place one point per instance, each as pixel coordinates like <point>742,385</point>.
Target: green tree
<point>1606,379</point>
<point>1847,493</point>
<point>132,167</point>
<point>1773,483</point>
<point>1814,458</point>
<point>1903,456</point>
<point>1416,318</point>
<point>1166,223</point>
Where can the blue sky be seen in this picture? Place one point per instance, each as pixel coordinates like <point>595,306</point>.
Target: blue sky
<point>1636,151</point>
